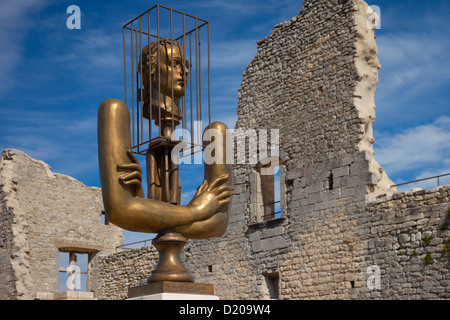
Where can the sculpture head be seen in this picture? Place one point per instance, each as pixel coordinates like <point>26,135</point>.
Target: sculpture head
<point>171,70</point>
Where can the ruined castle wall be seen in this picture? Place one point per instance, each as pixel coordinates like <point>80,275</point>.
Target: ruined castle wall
<point>314,78</point>
<point>42,214</point>
<point>407,236</point>
<point>121,270</point>
<point>7,284</point>
<point>307,80</point>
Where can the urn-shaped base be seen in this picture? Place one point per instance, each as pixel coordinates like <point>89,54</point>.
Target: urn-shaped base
<point>170,267</point>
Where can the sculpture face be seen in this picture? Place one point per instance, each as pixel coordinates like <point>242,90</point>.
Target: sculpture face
<point>170,67</point>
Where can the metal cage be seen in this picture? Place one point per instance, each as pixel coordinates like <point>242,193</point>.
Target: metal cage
<point>160,24</point>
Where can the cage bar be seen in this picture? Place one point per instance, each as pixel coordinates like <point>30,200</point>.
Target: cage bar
<point>169,24</point>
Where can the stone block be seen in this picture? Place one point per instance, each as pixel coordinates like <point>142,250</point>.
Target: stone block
<point>257,246</point>
<point>315,187</point>
<point>341,172</point>
<point>411,217</point>
<point>179,296</point>
<point>347,160</point>
<point>270,244</point>
<point>402,238</point>
<point>359,168</point>
<point>271,232</point>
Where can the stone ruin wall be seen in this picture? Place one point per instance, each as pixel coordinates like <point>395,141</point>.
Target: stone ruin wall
<point>314,78</point>
<point>407,236</point>
<point>395,233</point>
<point>41,214</point>
<point>129,268</point>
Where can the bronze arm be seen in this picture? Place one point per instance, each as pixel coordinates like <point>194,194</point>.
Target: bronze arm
<point>124,204</point>
<point>216,225</point>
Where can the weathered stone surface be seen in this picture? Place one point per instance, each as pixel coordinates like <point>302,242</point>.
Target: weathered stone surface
<point>314,79</point>
<point>41,213</point>
<point>122,270</point>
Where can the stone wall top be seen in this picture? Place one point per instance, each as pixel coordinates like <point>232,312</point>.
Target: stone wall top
<point>48,213</point>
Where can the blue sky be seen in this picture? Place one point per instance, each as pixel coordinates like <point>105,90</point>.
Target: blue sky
<point>53,79</point>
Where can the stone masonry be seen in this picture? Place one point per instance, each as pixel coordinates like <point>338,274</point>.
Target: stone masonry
<point>41,214</point>
<point>345,232</point>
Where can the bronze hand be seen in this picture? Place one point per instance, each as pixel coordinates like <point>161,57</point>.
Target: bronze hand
<point>122,199</point>
<point>134,178</point>
<point>217,224</point>
<point>209,198</point>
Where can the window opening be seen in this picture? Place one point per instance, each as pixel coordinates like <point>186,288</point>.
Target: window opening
<point>73,271</point>
<point>270,191</point>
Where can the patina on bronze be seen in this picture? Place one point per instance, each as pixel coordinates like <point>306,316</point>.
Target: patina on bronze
<point>207,214</point>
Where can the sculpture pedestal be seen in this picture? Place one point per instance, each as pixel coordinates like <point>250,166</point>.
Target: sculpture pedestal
<point>176,296</point>
<point>171,290</point>
<point>170,280</point>
<point>170,267</point>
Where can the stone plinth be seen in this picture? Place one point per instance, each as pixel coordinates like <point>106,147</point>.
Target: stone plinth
<point>176,296</point>
<point>65,295</point>
<point>171,290</point>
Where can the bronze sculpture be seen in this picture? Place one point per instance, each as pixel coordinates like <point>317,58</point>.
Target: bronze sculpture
<point>207,214</point>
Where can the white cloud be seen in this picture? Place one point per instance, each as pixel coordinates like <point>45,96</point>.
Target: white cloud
<point>416,55</point>
<point>232,54</point>
<point>83,125</point>
<point>246,7</point>
<point>67,144</point>
<point>413,63</point>
<point>427,183</point>
<point>414,59</point>
<point>229,120</point>
<point>423,150</point>
<point>11,35</point>
<point>187,196</point>
<point>95,48</point>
